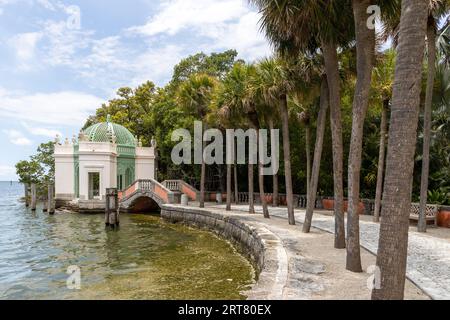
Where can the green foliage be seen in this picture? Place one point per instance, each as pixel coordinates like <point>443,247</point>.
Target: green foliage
<point>28,171</point>
<point>40,169</point>
<point>439,196</point>
<point>223,92</point>
<point>215,65</point>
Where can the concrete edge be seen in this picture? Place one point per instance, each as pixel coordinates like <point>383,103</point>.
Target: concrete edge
<point>258,244</point>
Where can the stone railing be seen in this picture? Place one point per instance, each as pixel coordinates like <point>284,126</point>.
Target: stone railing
<point>149,186</point>
<point>183,187</point>
<point>173,185</point>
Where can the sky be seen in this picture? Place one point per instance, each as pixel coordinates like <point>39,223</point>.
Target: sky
<point>60,60</point>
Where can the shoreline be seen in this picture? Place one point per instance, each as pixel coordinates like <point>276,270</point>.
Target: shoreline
<point>292,265</point>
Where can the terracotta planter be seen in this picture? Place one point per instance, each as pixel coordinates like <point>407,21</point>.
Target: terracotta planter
<point>328,204</point>
<point>443,219</point>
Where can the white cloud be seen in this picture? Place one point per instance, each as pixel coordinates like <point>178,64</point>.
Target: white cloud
<point>242,35</point>
<point>24,44</point>
<point>62,44</point>
<point>156,64</point>
<point>16,137</point>
<point>224,24</point>
<point>39,131</point>
<point>147,52</point>
<point>175,15</point>
<point>6,171</point>
<point>65,108</point>
<point>46,4</point>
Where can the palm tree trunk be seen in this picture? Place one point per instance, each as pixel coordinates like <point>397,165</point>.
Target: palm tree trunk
<point>332,71</point>
<point>365,48</point>
<point>321,123</point>
<point>236,190</point>
<point>262,194</point>
<point>287,159</point>
<point>203,174</point>
<point>393,243</point>
<point>381,160</point>
<point>431,37</point>
<point>308,157</point>
<point>229,173</point>
<point>251,196</point>
<point>275,176</point>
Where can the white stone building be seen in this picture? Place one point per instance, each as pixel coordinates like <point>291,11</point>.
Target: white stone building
<point>105,155</point>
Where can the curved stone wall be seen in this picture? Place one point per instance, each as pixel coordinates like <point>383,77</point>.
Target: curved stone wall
<point>262,247</point>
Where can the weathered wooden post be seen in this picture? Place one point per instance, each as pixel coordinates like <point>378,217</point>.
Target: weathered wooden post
<point>33,197</point>
<point>51,200</point>
<point>112,208</point>
<point>27,195</point>
<point>45,205</point>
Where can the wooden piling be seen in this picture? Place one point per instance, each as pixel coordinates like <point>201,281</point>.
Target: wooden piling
<point>112,218</point>
<point>51,200</point>
<point>27,195</point>
<point>33,197</point>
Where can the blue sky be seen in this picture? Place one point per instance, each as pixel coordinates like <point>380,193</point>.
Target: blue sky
<point>59,60</point>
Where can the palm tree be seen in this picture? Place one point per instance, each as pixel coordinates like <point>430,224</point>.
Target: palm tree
<point>321,123</point>
<point>304,26</point>
<point>239,98</point>
<point>195,95</point>
<point>393,243</point>
<point>365,51</point>
<point>273,87</point>
<point>437,8</point>
<point>305,119</point>
<point>382,82</point>
<point>224,117</point>
<point>275,200</point>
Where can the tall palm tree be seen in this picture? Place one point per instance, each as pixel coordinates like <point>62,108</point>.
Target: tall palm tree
<point>195,94</point>
<point>321,124</point>
<point>224,117</point>
<point>305,119</point>
<point>437,8</point>
<point>276,196</point>
<point>383,78</point>
<point>304,26</point>
<point>273,87</point>
<point>393,243</point>
<point>365,51</point>
<point>239,98</point>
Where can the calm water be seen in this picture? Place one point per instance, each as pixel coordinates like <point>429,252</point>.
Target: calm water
<point>145,259</point>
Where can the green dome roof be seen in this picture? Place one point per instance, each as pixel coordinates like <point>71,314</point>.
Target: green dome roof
<point>105,131</point>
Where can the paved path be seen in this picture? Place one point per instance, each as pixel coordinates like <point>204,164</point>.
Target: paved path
<point>428,257</point>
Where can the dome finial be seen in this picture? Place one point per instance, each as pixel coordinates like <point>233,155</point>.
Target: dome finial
<point>108,118</point>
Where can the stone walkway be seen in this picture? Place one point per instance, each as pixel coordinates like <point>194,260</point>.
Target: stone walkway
<point>428,257</point>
